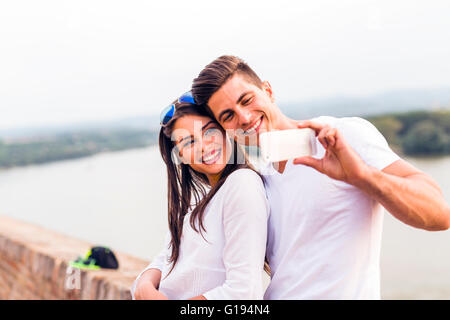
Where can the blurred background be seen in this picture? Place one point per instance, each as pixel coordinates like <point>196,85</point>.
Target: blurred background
<point>82,84</point>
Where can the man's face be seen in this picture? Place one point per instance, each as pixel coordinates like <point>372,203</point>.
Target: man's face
<point>243,109</point>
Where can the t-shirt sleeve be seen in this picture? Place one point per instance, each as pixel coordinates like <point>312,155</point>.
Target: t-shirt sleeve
<point>367,141</point>
<point>245,216</point>
<point>159,262</point>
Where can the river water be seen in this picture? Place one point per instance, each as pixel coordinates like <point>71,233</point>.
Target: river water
<point>119,200</point>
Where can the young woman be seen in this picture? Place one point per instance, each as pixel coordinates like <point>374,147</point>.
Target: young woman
<point>218,214</point>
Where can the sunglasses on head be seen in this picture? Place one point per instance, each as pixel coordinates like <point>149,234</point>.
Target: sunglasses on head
<point>169,111</point>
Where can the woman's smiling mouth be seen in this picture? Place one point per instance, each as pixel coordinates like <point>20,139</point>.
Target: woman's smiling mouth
<point>212,157</point>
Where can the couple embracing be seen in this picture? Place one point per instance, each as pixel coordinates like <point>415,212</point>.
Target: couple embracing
<point>313,223</point>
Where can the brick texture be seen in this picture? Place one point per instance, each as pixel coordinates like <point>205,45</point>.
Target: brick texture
<point>34,264</point>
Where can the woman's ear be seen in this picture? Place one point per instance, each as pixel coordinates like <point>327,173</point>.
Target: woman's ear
<point>267,88</point>
<point>176,158</point>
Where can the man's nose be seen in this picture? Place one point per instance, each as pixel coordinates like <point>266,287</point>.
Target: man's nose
<point>243,116</point>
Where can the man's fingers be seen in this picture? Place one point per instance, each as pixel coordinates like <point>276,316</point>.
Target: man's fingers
<point>331,137</point>
<point>310,162</point>
<point>324,132</point>
<point>312,125</point>
<point>327,136</point>
<point>322,137</point>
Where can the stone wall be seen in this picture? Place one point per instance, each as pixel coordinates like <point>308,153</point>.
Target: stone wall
<point>34,264</point>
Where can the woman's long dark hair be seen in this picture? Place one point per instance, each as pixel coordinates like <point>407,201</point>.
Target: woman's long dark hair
<point>186,187</point>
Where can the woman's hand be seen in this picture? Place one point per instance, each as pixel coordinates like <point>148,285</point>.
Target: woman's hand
<point>147,291</point>
<point>146,287</point>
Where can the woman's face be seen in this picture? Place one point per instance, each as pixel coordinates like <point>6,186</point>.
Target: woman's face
<point>201,143</point>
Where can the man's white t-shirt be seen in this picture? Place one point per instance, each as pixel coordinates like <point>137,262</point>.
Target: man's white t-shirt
<point>226,261</point>
<point>324,236</point>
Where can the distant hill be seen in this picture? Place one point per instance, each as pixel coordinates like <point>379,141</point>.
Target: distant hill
<point>395,114</point>
<point>62,146</point>
<point>391,101</point>
<point>144,122</point>
<point>386,102</point>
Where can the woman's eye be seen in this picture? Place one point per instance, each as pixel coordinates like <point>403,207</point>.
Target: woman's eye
<point>212,129</point>
<point>187,144</point>
<point>211,132</point>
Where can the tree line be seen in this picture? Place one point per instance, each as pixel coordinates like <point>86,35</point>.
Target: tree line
<point>72,145</point>
<point>418,133</point>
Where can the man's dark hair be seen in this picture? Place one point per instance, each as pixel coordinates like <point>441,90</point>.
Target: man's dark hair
<point>215,74</point>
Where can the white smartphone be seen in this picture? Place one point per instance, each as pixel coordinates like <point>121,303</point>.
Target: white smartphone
<point>287,144</point>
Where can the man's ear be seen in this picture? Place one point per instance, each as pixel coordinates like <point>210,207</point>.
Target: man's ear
<point>267,88</point>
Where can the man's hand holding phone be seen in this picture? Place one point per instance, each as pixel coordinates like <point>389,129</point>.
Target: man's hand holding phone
<point>340,161</point>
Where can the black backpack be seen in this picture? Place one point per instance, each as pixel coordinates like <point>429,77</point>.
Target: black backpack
<point>96,258</point>
<point>104,258</point>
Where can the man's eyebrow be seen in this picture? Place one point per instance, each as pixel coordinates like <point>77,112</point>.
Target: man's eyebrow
<point>242,96</point>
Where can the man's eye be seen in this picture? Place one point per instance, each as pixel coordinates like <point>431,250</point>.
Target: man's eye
<point>228,117</point>
<point>246,102</point>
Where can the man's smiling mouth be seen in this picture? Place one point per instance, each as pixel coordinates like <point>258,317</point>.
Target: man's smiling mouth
<point>254,128</point>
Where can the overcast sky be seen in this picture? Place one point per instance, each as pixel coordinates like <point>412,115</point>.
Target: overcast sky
<point>66,61</point>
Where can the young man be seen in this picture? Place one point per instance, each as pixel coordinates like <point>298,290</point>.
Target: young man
<point>324,232</point>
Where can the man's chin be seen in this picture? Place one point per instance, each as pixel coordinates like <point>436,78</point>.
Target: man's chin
<point>248,141</point>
